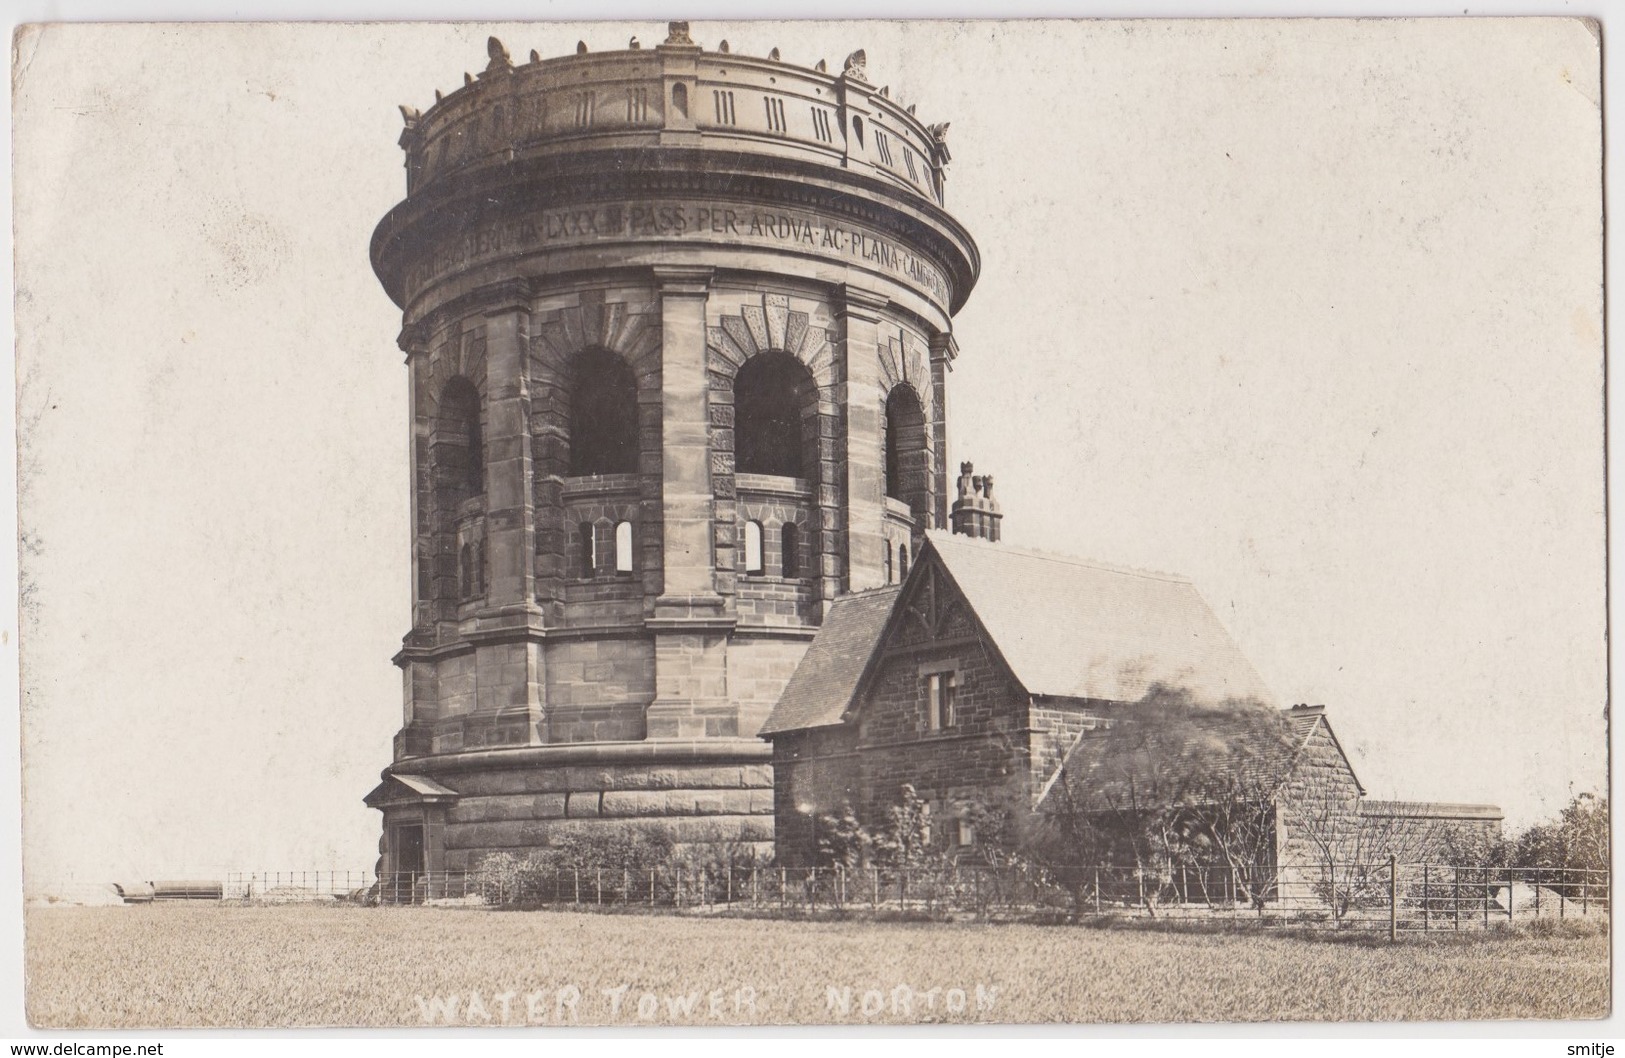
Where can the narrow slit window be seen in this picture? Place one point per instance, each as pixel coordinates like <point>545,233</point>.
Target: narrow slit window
<point>623,547</point>
<point>888,564</point>
<point>753,547</point>
<point>902,561</point>
<point>589,550</point>
<point>790,550</point>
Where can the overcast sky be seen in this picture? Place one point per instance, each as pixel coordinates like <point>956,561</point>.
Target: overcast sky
<point>1309,312</point>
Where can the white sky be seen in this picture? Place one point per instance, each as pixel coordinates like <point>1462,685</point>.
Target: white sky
<point>1309,312</point>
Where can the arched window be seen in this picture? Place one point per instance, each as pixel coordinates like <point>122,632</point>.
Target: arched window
<point>603,415</point>
<point>775,401</point>
<point>466,569</point>
<point>623,547</point>
<point>902,562</point>
<point>790,550</point>
<point>888,563</point>
<point>905,444</point>
<point>459,440</point>
<point>589,550</point>
<point>753,547</point>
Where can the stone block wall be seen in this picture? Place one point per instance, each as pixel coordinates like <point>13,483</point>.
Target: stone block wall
<point>986,745</point>
<point>816,774</point>
<point>598,689</point>
<point>1428,831</point>
<point>517,809</point>
<point>1319,805</point>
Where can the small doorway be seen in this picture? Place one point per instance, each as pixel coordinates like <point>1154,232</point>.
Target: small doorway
<point>403,886</point>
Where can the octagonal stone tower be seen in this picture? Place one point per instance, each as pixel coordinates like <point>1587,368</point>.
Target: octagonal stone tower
<point>677,324</point>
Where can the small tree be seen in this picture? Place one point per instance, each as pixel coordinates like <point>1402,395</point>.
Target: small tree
<point>843,840</point>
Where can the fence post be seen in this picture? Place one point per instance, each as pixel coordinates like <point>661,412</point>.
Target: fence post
<point>1510,883</point>
<point>874,889</point>
<point>1427,899</point>
<point>1455,898</point>
<point>1537,896</point>
<point>755,870</point>
<point>781,888</point>
<point>1393,896</point>
<point>1097,890</point>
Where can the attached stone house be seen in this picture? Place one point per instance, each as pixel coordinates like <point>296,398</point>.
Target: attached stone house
<point>993,673</point>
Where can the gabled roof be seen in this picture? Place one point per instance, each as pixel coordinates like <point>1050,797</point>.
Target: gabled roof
<point>398,788</point>
<point>821,688</point>
<point>1072,628</point>
<point>1188,755</point>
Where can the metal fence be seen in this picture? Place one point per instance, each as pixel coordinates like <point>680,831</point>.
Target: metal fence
<point>1371,896</point>
<point>297,886</point>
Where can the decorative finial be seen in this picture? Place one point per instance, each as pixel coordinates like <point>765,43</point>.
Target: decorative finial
<point>410,115</point>
<point>885,91</point>
<point>911,107</point>
<point>822,67</point>
<point>468,78</point>
<point>677,33</point>
<point>965,480</point>
<point>857,66</point>
<point>498,55</point>
<point>438,95</point>
<point>940,132</point>
<point>581,47</point>
<point>633,44</point>
<point>535,56</point>
<point>723,47</point>
<point>774,55</point>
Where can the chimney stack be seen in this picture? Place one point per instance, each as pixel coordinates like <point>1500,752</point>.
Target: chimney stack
<point>975,513</point>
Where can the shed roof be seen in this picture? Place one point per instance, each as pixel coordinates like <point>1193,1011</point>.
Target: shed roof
<point>822,686</point>
<point>1068,627</point>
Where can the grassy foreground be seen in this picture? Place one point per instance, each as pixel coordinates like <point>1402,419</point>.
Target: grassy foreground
<point>214,965</point>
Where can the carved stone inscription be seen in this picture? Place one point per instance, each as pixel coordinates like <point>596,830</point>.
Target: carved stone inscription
<point>689,221</point>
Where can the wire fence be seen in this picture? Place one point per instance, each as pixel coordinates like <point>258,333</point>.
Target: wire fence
<point>1370,896</point>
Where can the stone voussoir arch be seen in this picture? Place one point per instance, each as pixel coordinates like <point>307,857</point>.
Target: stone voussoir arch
<point>773,327</point>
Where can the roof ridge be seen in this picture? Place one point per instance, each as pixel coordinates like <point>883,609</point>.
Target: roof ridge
<point>959,540</point>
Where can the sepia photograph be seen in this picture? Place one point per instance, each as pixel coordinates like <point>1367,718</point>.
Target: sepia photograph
<point>729,524</point>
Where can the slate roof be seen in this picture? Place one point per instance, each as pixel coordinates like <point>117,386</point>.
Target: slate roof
<point>1078,629</point>
<point>1156,761</point>
<point>822,686</point>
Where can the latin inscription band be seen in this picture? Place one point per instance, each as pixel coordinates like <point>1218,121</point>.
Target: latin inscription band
<point>729,224</point>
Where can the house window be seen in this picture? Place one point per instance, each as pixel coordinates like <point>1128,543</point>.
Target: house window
<point>967,833</point>
<point>939,700</point>
<point>753,547</point>
<point>790,550</point>
<point>623,547</point>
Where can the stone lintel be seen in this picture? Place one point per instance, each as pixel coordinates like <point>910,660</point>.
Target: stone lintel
<point>858,303</point>
<point>691,281</point>
<point>509,295</point>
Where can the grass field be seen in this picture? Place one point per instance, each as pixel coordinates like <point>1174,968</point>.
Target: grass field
<point>215,965</point>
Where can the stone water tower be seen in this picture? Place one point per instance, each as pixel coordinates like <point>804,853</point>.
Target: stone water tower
<point>677,327</point>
